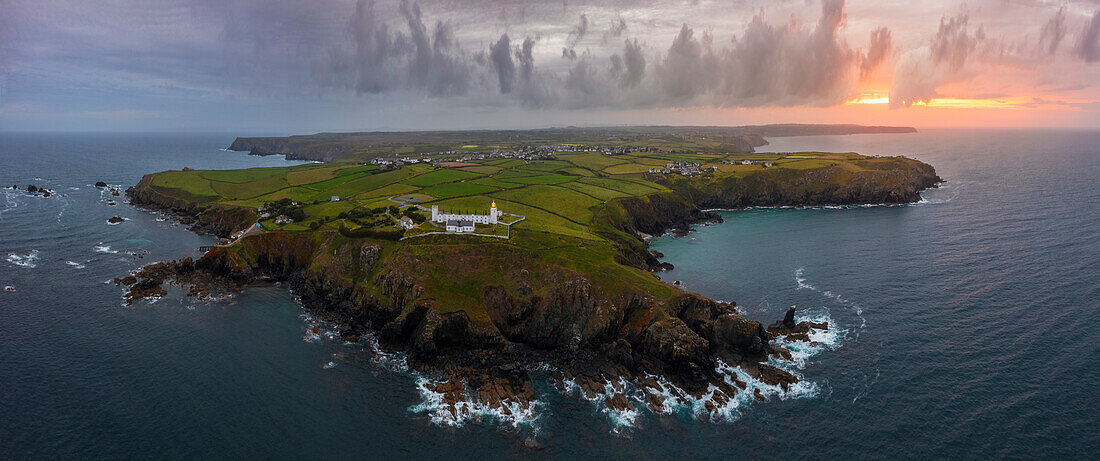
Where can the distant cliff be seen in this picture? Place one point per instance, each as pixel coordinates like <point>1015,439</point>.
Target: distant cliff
<point>329,147</point>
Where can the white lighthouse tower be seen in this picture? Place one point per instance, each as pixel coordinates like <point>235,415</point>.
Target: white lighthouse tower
<point>493,213</point>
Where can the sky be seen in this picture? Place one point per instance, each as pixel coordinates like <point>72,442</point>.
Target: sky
<point>302,66</point>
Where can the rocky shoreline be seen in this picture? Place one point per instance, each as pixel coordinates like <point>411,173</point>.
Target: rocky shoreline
<point>690,347</point>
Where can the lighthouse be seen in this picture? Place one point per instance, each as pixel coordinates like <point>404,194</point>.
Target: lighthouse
<point>493,213</point>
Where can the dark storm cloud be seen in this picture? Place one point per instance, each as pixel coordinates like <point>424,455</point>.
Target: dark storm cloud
<point>1053,32</point>
<point>629,67</point>
<point>575,35</point>
<point>1088,42</point>
<point>501,54</point>
<point>769,64</point>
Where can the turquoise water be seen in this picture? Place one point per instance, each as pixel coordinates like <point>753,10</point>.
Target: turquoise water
<point>964,324</point>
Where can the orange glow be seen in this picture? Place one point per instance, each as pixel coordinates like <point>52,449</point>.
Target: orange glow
<point>1010,102</point>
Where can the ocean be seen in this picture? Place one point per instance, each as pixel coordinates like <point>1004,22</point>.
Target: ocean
<point>962,325</point>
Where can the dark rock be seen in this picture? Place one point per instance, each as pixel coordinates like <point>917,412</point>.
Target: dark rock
<point>100,184</point>
<point>116,219</point>
<point>618,402</point>
<point>32,189</point>
<point>788,319</point>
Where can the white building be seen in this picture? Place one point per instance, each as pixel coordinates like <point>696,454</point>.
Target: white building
<point>456,225</point>
<point>444,217</point>
<point>406,222</point>
<point>335,198</point>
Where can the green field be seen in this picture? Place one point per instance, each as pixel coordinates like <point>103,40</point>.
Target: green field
<point>555,196</point>
<point>440,176</point>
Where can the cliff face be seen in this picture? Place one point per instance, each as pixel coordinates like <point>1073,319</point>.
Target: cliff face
<point>202,218</point>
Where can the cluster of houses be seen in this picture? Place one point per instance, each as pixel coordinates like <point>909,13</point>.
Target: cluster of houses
<point>748,162</point>
<point>683,168</point>
<point>543,152</point>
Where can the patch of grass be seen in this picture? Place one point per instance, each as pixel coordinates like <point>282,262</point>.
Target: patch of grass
<point>567,203</point>
<point>592,160</point>
<point>440,176</point>
<point>370,182</point>
<point>621,185</point>
<point>456,189</point>
<point>627,168</point>
<point>187,185</point>
<point>243,176</point>
<point>594,191</point>
<point>482,169</point>
<point>387,191</point>
<point>577,171</point>
<point>493,182</point>
<point>297,194</point>
<point>541,179</point>
<point>313,173</point>
<point>251,189</point>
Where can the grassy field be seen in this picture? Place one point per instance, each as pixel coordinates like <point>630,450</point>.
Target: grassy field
<point>555,196</point>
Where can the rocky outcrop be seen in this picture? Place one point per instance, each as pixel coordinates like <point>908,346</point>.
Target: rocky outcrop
<point>201,217</point>
<point>794,331</point>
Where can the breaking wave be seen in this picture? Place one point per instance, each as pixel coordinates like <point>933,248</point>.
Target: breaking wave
<point>468,409</point>
<point>101,248</point>
<point>75,264</point>
<point>29,260</point>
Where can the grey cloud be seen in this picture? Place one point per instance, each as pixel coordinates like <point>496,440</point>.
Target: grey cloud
<point>525,55</point>
<point>1088,42</point>
<point>618,27</point>
<point>629,68</point>
<point>946,60</point>
<point>881,45</point>
<point>501,55</point>
<point>575,35</point>
<point>437,65</point>
<point>1053,32</point>
<point>953,43</point>
<point>578,32</point>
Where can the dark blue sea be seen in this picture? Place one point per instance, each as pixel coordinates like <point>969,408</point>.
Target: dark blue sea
<point>964,326</point>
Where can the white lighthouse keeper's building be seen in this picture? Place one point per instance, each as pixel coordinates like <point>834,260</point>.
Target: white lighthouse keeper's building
<point>442,217</point>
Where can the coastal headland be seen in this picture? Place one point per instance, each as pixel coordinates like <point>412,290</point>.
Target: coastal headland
<point>571,287</point>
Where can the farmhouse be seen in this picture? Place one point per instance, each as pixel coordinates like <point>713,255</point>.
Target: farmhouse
<point>445,217</point>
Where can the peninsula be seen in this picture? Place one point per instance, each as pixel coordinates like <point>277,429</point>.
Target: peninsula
<point>483,262</point>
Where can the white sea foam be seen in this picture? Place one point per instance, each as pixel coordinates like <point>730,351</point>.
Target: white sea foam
<point>820,341</point>
<point>29,260</point>
<point>75,264</point>
<point>329,365</point>
<point>101,248</point>
<point>470,410</point>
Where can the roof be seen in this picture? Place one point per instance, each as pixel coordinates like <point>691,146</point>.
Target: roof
<point>462,223</point>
